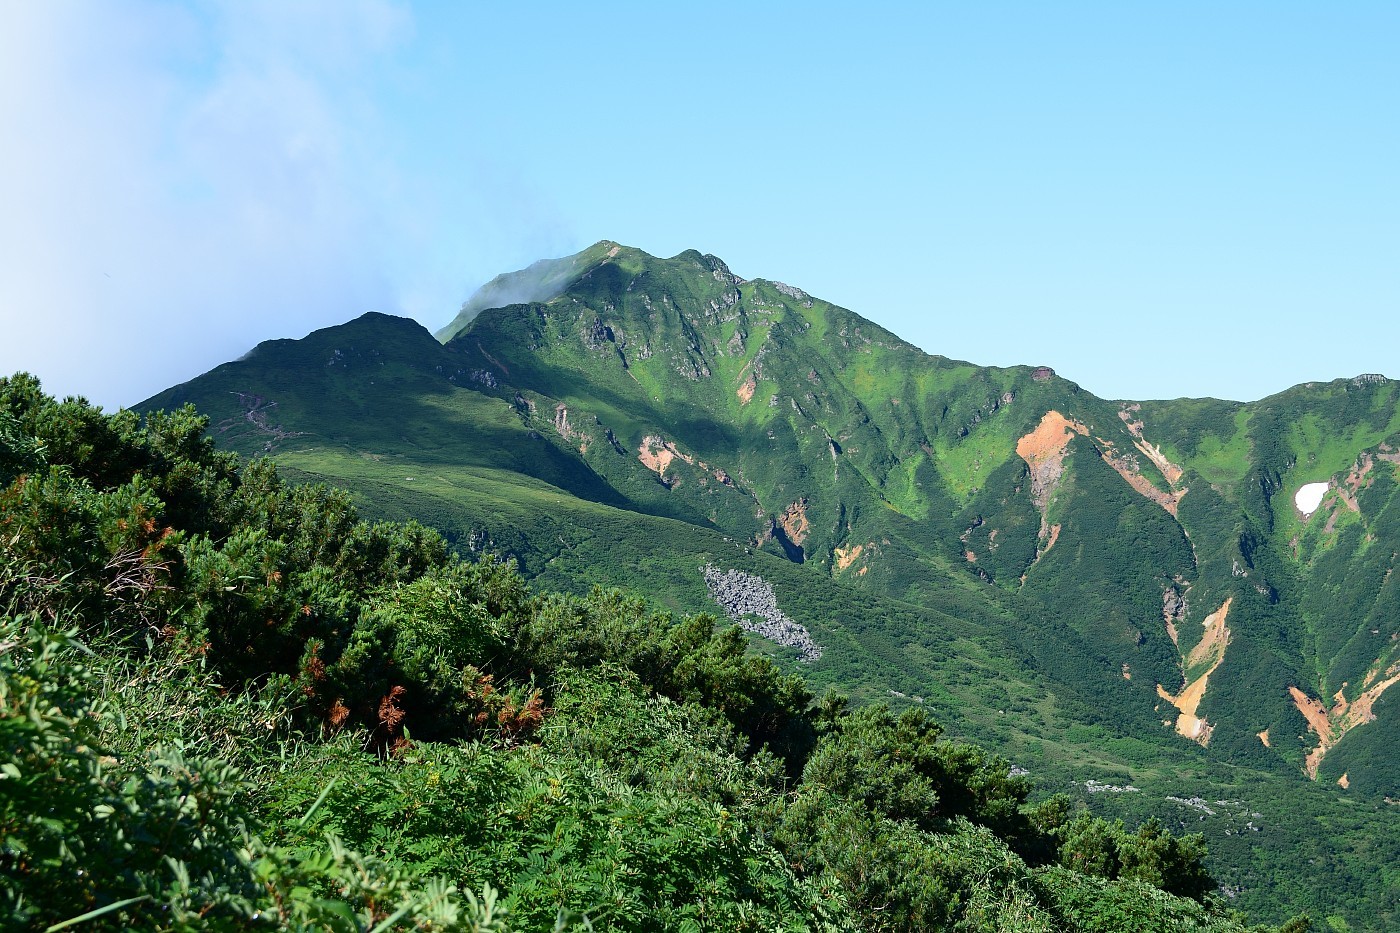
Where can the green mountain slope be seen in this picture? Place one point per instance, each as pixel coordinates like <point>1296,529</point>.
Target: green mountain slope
<point>282,717</point>
<point>1120,592</point>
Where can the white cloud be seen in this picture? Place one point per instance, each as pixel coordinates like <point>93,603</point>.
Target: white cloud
<point>182,182</point>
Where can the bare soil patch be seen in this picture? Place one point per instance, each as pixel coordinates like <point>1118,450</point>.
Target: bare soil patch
<point>1152,452</point>
<point>656,455</point>
<point>846,556</point>
<point>794,522</point>
<point>1330,726</point>
<point>746,389</point>
<point>1210,649</point>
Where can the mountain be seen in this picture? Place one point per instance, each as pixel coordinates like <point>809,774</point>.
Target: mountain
<point>1190,598</point>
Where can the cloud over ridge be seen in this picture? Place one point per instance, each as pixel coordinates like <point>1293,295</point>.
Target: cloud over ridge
<point>179,178</point>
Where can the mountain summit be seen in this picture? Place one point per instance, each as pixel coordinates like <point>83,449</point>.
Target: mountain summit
<point>540,282</point>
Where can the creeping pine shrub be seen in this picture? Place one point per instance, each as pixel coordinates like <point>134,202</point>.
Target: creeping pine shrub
<point>161,840</point>
<point>83,830</point>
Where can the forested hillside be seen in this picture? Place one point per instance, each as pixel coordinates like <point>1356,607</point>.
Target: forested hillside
<point>229,703</point>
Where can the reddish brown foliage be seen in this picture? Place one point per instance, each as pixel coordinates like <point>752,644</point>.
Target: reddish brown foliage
<point>338,714</point>
<point>391,714</point>
<point>314,672</point>
<point>515,721</point>
<point>391,717</point>
<point>521,721</point>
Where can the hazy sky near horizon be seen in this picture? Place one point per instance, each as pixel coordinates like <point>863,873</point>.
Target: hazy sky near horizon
<point>1157,200</point>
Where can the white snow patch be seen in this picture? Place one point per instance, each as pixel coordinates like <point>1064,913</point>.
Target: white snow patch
<point>1309,497</point>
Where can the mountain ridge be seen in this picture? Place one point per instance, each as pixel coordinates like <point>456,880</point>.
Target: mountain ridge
<point>610,276</point>
<point>561,272</point>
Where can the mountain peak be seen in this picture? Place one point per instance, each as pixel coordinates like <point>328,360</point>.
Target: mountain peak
<point>539,281</point>
<point>547,279</point>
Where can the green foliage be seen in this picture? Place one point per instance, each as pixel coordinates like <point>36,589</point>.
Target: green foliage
<point>636,812</point>
<point>896,767</point>
<point>1150,855</point>
<point>689,661</point>
<point>159,840</point>
<point>1086,902</point>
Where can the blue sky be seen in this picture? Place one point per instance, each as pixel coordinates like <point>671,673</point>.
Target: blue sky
<point>1156,199</point>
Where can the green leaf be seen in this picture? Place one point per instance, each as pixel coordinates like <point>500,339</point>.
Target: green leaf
<point>94,914</point>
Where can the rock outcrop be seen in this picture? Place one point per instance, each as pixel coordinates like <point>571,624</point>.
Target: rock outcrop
<point>749,601</point>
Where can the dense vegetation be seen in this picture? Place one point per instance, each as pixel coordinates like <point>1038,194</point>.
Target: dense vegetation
<point>227,702</point>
